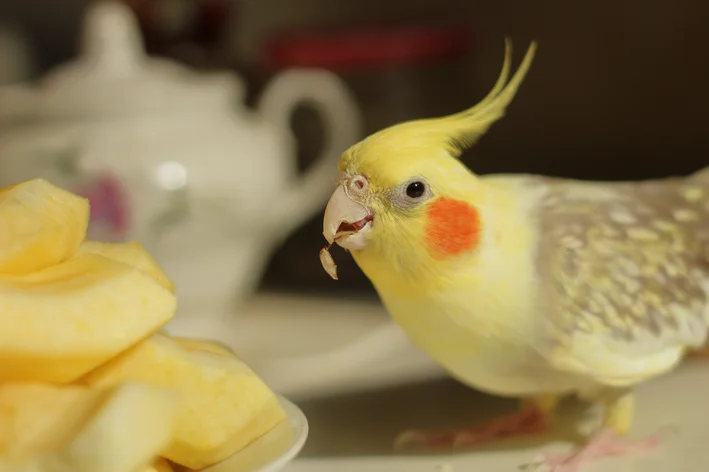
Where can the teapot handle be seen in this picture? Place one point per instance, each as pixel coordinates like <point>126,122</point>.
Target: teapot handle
<point>342,121</point>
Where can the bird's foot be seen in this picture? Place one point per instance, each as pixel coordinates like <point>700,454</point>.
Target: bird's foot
<point>703,352</point>
<point>604,443</point>
<point>524,422</point>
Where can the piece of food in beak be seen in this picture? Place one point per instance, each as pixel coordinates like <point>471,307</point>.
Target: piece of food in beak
<point>328,263</point>
<point>345,229</point>
<point>343,217</point>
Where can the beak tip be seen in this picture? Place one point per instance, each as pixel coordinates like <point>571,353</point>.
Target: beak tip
<point>328,237</point>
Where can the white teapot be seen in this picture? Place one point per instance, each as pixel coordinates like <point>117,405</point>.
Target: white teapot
<point>173,159</point>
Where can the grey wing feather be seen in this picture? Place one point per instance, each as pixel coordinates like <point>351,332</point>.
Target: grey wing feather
<point>624,278</point>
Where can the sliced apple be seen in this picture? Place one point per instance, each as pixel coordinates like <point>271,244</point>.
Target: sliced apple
<point>204,345</point>
<point>40,225</point>
<point>36,416</point>
<point>63,321</point>
<point>132,253</point>
<point>224,405</point>
<point>50,428</point>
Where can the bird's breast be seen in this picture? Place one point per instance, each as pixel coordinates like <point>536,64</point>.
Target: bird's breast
<point>483,355</point>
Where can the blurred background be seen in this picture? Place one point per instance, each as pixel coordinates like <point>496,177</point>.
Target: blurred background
<point>209,130</point>
<point>617,90</point>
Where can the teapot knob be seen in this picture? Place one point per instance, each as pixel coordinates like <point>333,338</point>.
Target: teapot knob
<point>111,40</point>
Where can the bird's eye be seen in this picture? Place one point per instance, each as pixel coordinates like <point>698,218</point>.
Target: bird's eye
<point>415,189</point>
<point>412,193</point>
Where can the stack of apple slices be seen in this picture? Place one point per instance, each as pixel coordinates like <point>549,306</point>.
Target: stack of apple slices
<point>87,381</point>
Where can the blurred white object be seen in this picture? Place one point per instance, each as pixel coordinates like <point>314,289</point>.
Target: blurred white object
<point>307,347</point>
<point>172,158</point>
<point>17,60</point>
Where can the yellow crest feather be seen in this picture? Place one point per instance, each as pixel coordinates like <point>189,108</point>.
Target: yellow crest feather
<point>426,144</point>
<point>467,126</point>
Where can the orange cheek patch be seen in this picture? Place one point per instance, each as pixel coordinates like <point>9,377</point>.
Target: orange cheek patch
<point>452,228</point>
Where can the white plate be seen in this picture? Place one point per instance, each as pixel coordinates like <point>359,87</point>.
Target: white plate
<point>272,451</point>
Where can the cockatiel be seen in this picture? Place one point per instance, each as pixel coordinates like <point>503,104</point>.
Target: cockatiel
<point>525,286</point>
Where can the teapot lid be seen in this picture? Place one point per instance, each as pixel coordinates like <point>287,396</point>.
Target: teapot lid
<point>113,75</point>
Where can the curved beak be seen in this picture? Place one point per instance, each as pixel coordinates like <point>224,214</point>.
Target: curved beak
<point>347,221</point>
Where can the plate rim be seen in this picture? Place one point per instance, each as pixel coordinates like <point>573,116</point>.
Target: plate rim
<point>299,422</point>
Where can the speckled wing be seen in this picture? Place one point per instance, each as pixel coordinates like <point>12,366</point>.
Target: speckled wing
<point>624,274</point>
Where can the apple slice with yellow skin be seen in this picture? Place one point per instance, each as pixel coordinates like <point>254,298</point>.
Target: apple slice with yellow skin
<point>224,405</point>
<point>53,428</point>
<point>132,253</point>
<point>63,321</point>
<point>204,345</point>
<point>40,225</point>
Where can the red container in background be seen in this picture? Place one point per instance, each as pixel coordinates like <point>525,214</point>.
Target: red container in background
<point>397,74</point>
